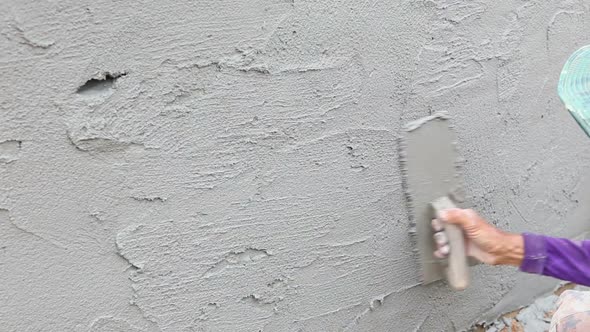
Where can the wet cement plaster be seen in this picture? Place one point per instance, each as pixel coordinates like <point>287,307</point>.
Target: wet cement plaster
<point>233,166</point>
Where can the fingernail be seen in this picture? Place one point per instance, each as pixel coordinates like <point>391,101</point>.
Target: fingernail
<point>445,249</point>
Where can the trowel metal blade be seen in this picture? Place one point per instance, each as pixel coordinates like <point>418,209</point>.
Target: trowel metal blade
<point>429,168</point>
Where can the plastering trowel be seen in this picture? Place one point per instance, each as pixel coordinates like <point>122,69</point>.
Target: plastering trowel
<point>429,164</point>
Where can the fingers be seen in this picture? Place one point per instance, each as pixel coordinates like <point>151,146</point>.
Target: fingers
<point>437,225</point>
<point>441,240</point>
<point>442,252</point>
<point>445,250</point>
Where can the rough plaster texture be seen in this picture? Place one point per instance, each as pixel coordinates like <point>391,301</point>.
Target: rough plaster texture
<point>233,165</point>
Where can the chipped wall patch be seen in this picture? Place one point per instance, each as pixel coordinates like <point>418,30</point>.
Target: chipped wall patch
<point>100,86</point>
<point>9,151</point>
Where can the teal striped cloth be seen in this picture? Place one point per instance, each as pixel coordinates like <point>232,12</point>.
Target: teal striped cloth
<point>574,87</point>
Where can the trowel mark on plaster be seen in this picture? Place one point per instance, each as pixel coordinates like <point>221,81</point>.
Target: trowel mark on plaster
<point>150,199</point>
<point>510,63</point>
<point>22,229</point>
<point>34,34</point>
<point>236,258</point>
<point>459,12</point>
<point>254,62</point>
<point>100,144</point>
<point>202,37</point>
<point>513,35</point>
<point>89,139</point>
<point>206,310</point>
<point>146,247</point>
<point>342,312</point>
<point>377,302</point>
<point>274,292</point>
<point>445,77</point>
<point>450,59</point>
<point>571,20</point>
<point>111,324</point>
<point>507,78</point>
<point>256,299</point>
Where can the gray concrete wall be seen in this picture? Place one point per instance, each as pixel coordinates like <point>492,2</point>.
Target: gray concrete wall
<point>233,166</point>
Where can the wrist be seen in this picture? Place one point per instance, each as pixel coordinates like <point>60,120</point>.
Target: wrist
<point>510,250</point>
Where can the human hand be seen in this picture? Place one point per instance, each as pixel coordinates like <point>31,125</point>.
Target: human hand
<point>483,241</point>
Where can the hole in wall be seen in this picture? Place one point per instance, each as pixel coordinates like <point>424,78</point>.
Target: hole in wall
<point>100,85</point>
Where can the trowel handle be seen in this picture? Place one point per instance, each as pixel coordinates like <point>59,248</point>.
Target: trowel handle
<point>458,268</point>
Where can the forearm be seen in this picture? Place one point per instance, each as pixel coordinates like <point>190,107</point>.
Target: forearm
<point>558,258</point>
<point>555,257</point>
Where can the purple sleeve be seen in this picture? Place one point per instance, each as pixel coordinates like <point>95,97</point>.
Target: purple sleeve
<point>559,258</point>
